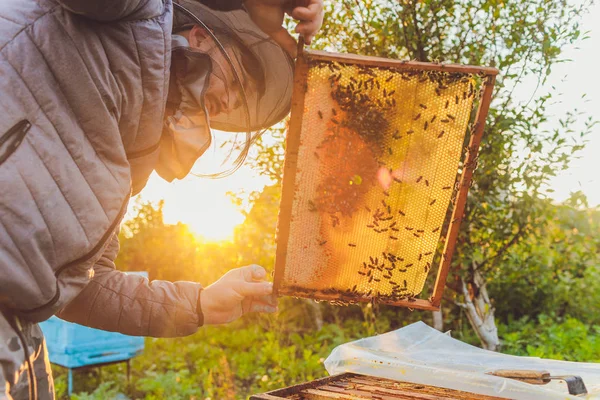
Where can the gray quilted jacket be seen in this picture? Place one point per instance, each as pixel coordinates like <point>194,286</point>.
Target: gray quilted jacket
<point>83,84</point>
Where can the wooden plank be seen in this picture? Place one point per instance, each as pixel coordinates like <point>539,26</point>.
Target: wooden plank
<point>289,169</point>
<point>317,394</point>
<point>400,64</point>
<point>421,304</point>
<point>373,392</point>
<point>452,394</point>
<point>461,197</point>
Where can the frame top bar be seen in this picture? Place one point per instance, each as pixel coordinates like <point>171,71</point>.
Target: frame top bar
<point>399,64</point>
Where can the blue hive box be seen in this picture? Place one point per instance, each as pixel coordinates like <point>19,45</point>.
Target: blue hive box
<point>72,345</point>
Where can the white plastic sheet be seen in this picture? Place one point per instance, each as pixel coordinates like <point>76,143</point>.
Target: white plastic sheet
<point>420,354</point>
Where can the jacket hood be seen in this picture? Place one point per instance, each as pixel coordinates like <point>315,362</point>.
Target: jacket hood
<point>276,66</point>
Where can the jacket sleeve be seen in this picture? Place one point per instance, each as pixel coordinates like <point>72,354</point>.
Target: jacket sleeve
<point>114,10</point>
<point>129,304</point>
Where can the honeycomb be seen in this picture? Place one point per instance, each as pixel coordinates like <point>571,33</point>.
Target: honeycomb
<point>376,171</point>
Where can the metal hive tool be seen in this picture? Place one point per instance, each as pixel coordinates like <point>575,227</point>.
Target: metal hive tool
<point>374,187</point>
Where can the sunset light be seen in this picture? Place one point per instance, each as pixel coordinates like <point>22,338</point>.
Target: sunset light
<point>202,203</point>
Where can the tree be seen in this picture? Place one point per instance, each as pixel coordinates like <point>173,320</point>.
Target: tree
<point>519,154</point>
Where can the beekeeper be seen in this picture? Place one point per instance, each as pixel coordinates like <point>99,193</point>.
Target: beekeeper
<point>97,94</point>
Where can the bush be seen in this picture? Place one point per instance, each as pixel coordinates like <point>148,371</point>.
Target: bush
<point>549,337</point>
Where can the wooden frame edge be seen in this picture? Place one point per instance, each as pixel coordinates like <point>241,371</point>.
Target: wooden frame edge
<point>371,61</point>
<point>463,189</point>
<point>291,159</point>
<point>289,168</point>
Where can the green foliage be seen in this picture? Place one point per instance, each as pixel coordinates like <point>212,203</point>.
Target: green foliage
<point>555,270</point>
<point>551,337</point>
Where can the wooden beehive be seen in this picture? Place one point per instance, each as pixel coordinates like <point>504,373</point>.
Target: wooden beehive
<point>379,159</point>
<point>351,386</point>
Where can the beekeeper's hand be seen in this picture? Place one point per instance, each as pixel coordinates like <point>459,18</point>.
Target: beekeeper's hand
<point>268,15</point>
<point>239,291</point>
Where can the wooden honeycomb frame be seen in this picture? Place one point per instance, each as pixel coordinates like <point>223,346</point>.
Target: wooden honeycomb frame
<point>306,60</point>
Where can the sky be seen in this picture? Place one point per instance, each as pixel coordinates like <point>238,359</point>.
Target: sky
<point>204,205</point>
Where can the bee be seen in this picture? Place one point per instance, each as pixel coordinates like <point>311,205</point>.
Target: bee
<point>423,106</point>
<point>389,78</point>
<point>377,279</point>
<point>395,229</point>
<point>447,103</point>
<point>393,238</point>
<point>420,230</point>
<point>316,155</point>
<point>335,121</point>
<point>386,193</point>
<point>419,178</point>
<point>391,93</point>
<point>362,273</point>
<point>384,203</point>
<point>455,220</point>
<point>321,243</point>
<point>433,119</point>
<point>401,213</point>
<point>392,224</point>
<point>420,256</point>
<point>426,182</point>
<point>416,235</point>
<point>435,230</point>
<point>410,132</point>
<point>428,253</point>
<point>396,179</point>
<point>333,111</point>
<point>444,121</point>
<point>367,208</point>
<point>426,125</point>
<point>441,135</point>
<point>389,209</point>
<point>456,99</point>
<point>311,206</point>
<point>446,187</point>
<point>320,114</point>
<point>408,228</point>
<point>432,202</point>
<point>390,151</point>
<point>452,117</point>
<point>352,244</point>
<point>417,117</point>
<point>354,288</point>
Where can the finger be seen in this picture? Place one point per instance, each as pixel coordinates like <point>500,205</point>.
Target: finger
<point>253,273</point>
<point>304,14</point>
<point>283,38</point>
<point>307,30</point>
<point>247,289</point>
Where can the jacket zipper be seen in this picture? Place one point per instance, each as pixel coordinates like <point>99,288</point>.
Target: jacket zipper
<point>82,259</point>
<point>16,133</point>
